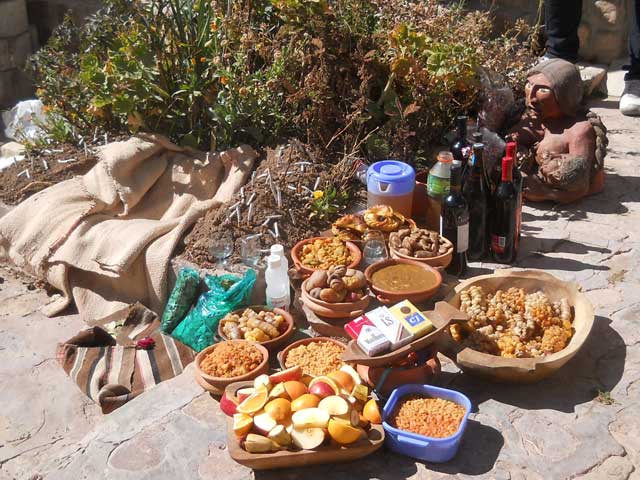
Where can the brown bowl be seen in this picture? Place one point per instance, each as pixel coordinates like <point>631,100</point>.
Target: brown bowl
<point>269,344</point>
<point>282,356</point>
<point>439,261</point>
<point>217,384</point>
<point>522,370</point>
<point>297,248</point>
<point>333,310</point>
<point>386,297</point>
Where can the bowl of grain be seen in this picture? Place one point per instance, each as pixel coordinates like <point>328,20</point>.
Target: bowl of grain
<point>270,327</point>
<point>230,361</point>
<point>317,356</point>
<point>320,253</point>
<point>522,327</point>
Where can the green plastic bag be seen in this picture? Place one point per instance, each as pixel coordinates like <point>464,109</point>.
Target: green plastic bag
<point>226,293</point>
<point>184,294</point>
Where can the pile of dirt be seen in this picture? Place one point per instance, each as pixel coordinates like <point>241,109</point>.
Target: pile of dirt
<point>295,171</point>
<point>43,168</point>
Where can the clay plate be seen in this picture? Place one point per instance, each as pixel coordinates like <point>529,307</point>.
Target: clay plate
<point>387,297</point>
<point>217,384</point>
<point>270,344</point>
<point>285,459</point>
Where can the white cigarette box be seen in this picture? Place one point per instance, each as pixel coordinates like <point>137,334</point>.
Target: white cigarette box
<point>390,327</point>
<point>372,341</point>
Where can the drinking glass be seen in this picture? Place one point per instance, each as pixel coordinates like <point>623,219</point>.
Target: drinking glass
<point>222,248</point>
<point>250,250</point>
<point>375,247</point>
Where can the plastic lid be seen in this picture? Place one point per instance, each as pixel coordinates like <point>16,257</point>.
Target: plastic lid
<point>392,171</point>
<point>445,157</point>
<point>273,262</point>
<point>277,249</point>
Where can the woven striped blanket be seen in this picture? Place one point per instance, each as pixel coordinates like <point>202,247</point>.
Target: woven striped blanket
<point>112,370</point>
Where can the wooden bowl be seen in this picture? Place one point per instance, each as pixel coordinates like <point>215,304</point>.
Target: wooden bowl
<point>282,356</point>
<point>269,344</point>
<point>415,296</point>
<point>522,370</point>
<point>217,384</point>
<point>334,310</point>
<point>297,248</point>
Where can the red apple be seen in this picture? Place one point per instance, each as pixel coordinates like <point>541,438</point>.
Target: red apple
<point>228,405</point>
<point>322,389</point>
<point>244,393</point>
<point>293,373</point>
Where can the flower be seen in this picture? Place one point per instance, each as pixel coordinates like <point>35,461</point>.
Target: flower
<point>224,80</point>
<point>146,343</point>
<point>318,194</point>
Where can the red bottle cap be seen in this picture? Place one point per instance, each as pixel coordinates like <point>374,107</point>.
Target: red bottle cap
<point>507,166</point>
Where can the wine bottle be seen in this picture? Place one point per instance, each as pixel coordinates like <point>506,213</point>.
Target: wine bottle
<point>476,193</point>
<point>503,225</point>
<point>454,223</point>
<point>511,150</point>
<point>461,148</point>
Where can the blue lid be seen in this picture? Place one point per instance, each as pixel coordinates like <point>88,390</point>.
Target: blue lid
<point>392,171</point>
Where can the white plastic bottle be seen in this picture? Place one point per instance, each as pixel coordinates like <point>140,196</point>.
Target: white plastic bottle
<point>277,284</point>
<point>278,250</point>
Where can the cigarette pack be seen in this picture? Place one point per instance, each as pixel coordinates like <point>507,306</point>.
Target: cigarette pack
<point>372,341</point>
<point>390,327</point>
<point>354,327</point>
<point>411,318</point>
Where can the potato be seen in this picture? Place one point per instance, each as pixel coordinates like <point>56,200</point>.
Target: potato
<point>318,279</point>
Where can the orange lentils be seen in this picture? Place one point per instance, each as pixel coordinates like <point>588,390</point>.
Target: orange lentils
<point>431,417</point>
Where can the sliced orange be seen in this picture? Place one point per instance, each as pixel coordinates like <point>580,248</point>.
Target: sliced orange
<point>344,380</point>
<point>255,402</point>
<point>343,432</point>
<point>279,409</point>
<point>242,424</point>
<point>371,412</point>
<point>295,389</point>
<point>305,401</point>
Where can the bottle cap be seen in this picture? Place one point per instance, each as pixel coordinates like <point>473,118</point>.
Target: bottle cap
<point>445,157</point>
<point>510,149</point>
<point>273,261</point>
<point>277,249</point>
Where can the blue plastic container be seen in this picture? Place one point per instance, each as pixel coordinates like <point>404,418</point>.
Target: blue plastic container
<point>430,449</point>
<point>391,182</point>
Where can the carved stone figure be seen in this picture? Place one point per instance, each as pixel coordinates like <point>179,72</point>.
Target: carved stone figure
<point>562,148</point>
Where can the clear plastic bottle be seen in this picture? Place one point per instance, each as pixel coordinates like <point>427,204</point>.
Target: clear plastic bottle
<point>438,185</point>
<point>278,250</point>
<point>277,284</point>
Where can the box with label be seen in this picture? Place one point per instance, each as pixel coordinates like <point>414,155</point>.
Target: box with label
<point>411,318</point>
<point>390,326</point>
<point>372,341</point>
<point>354,327</point>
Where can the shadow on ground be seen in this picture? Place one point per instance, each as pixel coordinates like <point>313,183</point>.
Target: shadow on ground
<point>597,367</point>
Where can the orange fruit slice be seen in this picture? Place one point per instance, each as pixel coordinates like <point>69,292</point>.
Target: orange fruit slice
<point>343,432</point>
<point>279,409</point>
<point>371,412</point>
<point>344,380</point>
<point>295,389</point>
<point>255,402</point>
<point>305,401</point>
<point>242,424</point>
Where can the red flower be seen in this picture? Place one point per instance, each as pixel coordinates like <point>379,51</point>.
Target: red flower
<point>146,343</point>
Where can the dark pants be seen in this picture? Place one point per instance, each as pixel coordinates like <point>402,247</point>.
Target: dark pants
<point>562,18</point>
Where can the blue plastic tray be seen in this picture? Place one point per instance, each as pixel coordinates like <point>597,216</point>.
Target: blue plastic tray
<point>418,446</point>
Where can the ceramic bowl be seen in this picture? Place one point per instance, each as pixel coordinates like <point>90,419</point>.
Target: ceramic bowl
<point>269,344</point>
<point>217,385</point>
<point>439,261</point>
<point>334,310</point>
<point>282,356</point>
<point>387,297</point>
<point>297,249</point>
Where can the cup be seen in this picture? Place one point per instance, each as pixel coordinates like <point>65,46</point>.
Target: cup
<point>375,247</point>
<point>250,251</point>
<point>222,248</point>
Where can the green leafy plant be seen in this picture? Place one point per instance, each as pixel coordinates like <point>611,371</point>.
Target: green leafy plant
<point>328,202</point>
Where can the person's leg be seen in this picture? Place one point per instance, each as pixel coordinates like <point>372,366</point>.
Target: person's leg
<point>630,101</point>
<point>562,18</point>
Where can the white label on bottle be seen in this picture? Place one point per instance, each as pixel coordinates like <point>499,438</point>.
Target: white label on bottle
<point>463,238</point>
<point>279,302</point>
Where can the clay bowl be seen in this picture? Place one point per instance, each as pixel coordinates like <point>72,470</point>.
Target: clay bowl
<point>333,310</point>
<point>522,370</point>
<point>282,356</point>
<point>270,344</point>
<point>439,261</point>
<point>297,249</point>
<point>415,296</point>
<point>217,385</point>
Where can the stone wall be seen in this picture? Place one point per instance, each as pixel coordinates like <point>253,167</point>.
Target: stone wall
<point>602,32</point>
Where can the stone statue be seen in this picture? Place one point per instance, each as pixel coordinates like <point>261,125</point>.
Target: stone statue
<point>562,149</point>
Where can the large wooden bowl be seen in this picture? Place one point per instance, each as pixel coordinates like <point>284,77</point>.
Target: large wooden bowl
<point>333,310</point>
<point>217,385</point>
<point>415,296</point>
<point>282,356</point>
<point>275,343</point>
<point>522,370</point>
<point>297,249</point>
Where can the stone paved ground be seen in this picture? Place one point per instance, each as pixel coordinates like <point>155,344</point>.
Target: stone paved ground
<point>553,430</point>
